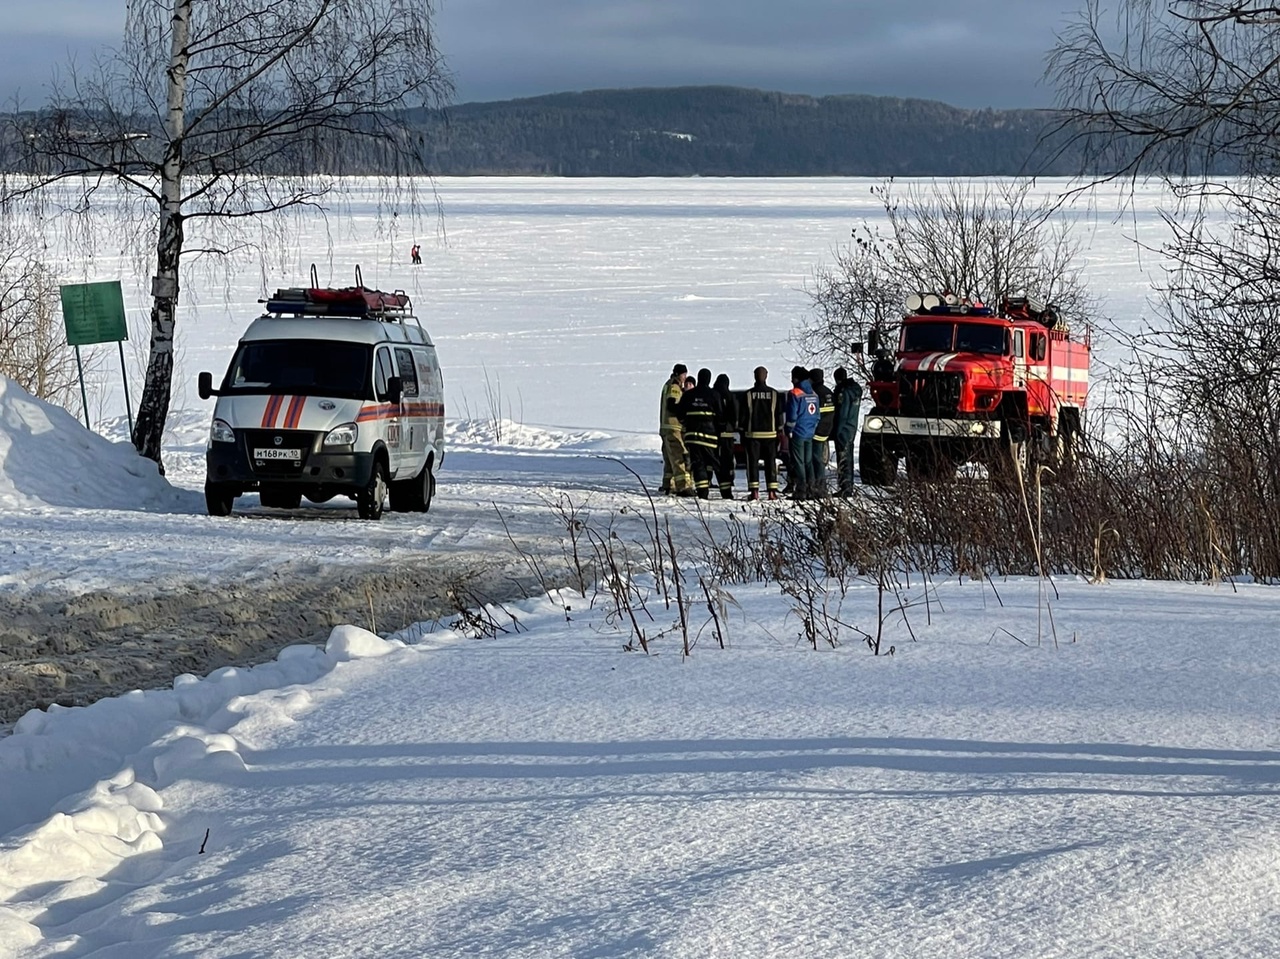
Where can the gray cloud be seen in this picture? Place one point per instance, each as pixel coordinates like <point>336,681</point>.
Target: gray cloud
<point>971,53</point>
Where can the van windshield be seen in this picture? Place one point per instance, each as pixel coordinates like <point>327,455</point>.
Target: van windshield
<point>302,368</point>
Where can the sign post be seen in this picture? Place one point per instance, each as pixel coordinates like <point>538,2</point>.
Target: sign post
<point>94,313</point>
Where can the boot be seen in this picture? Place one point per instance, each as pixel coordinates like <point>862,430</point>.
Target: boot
<point>753,495</point>
<point>773,494</point>
<point>726,494</point>
<point>704,494</point>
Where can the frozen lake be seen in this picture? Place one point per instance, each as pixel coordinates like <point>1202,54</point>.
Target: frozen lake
<point>564,303</point>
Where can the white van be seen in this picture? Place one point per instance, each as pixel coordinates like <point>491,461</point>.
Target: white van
<point>331,392</point>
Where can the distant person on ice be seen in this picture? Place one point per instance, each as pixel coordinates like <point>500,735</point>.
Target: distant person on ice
<point>415,255</point>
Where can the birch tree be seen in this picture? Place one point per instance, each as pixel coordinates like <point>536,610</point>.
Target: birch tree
<point>226,111</point>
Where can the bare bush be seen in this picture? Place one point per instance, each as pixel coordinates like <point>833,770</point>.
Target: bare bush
<point>983,240</point>
<point>33,347</point>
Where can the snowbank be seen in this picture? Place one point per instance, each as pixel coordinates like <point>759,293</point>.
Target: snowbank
<point>489,433</point>
<point>48,458</point>
<point>98,767</point>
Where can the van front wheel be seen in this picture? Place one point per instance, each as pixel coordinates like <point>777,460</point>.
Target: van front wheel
<point>218,498</point>
<point>371,500</point>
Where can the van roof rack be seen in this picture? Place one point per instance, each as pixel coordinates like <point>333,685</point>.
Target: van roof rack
<point>359,301</point>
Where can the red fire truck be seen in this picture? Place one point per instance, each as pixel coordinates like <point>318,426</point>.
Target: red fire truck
<point>969,383</point>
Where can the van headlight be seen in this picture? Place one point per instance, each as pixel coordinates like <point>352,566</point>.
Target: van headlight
<point>221,432</point>
<point>977,429</point>
<point>344,435</point>
<point>873,423</point>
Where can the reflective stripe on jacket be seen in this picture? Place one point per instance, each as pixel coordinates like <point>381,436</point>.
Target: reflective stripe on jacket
<point>765,410</point>
<point>667,419</point>
<point>700,412</point>
<point>826,413</point>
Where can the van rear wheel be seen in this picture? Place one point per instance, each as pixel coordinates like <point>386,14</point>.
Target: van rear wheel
<point>428,488</point>
<point>414,495</point>
<point>372,500</point>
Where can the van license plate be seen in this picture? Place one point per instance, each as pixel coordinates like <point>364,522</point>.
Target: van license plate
<point>271,453</point>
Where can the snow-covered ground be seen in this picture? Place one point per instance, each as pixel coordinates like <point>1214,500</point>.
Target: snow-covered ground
<point>1067,769</point>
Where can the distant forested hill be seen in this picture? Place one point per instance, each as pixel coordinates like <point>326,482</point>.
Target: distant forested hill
<point>730,131</point>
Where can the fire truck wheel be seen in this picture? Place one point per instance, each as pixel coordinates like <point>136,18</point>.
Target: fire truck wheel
<point>876,465</point>
<point>371,501</point>
<point>1046,451</point>
<point>930,466</point>
<point>1009,460</point>
<point>1068,462</point>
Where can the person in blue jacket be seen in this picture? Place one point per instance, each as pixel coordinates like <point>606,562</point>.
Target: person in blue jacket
<point>802,420</point>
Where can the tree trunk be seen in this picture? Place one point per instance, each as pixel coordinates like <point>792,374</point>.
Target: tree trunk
<point>153,409</point>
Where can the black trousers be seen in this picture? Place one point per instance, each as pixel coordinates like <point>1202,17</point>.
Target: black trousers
<point>725,465</point>
<point>767,450</point>
<point>702,460</point>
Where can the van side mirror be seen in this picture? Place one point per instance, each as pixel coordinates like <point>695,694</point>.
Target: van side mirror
<point>394,389</point>
<point>873,341</point>
<point>204,386</point>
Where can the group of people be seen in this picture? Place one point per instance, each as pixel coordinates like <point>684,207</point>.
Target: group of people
<point>701,423</point>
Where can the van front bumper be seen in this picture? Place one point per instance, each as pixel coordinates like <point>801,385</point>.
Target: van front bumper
<point>231,465</point>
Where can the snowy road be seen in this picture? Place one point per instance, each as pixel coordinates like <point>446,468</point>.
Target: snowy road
<point>129,593</point>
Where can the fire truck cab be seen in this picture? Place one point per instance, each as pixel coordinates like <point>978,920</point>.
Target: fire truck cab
<point>968,383</point>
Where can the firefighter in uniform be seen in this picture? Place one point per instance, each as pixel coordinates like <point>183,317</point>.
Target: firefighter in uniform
<point>802,420</point>
<point>822,434</point>
<point>848,403</point>
<point>726,463</point>
<point>675,468</point>
<point>761,421</point>
<point>700,412</point>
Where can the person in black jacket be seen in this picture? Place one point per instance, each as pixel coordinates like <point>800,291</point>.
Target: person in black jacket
<point>726,465</point>
<point>848,402</point>
<point>762,418</point>
<point>822,435</point>
<point>701,413</point>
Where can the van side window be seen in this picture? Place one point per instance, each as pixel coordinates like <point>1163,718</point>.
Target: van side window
<point>1039,347</point>
<point>408,373</point>
<point>382,372</point>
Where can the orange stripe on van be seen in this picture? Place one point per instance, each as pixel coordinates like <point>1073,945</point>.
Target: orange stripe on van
<point>295,412</point>
<point>388,411</point>
<point>271,412</point>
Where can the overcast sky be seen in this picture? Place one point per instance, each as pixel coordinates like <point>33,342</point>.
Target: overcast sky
<point>970,53</point>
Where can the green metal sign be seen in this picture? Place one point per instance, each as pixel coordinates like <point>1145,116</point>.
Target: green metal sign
<point>93,313</point>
